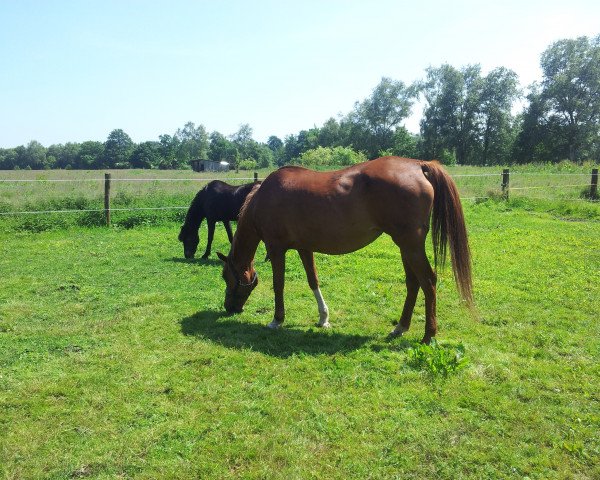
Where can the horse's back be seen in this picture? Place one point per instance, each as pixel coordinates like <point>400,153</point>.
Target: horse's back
<point>343,210</point>
<point>222,201</point>
<point>397,176</point>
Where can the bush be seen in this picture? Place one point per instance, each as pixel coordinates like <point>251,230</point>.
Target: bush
<point>247,164</point>
<point>330,157</point>
<point>448,157</point>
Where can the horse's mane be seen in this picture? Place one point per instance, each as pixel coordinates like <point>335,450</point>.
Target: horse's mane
<point>244,219</point>
<point>194,214</point>
<point>247,202</point>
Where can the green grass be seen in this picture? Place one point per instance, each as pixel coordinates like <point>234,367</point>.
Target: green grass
<point>116,361</point>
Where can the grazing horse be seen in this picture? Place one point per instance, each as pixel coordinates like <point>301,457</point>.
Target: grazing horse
<point>342,211</point>
<point>217,201</point>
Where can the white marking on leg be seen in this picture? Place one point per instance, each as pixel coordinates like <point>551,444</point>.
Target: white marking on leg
<point>274,325</point>
<point>323,310</point>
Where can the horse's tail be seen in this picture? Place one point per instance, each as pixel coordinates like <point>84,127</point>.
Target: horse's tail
<point>448,227</point>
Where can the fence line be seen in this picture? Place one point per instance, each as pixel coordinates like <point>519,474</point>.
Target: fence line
<point>476,175</point>
<point>505,186</point>
<point>231,179</point>
<point>551,186</point>
<point>550,174</point>
<point>185,208</point>
<point>95,210</point>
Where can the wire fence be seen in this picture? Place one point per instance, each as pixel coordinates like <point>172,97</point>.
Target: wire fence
<point>501,188</point>
<point>80,180</point>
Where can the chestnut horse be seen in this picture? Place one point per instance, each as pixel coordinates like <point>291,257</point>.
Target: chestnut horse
<point>342,211</point>
<point>217,202</point>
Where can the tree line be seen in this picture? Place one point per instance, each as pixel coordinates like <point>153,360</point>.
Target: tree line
<point>467,119</point>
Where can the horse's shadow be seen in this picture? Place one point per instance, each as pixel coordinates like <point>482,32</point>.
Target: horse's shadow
<point>285,342</point>
<point>198,261</point>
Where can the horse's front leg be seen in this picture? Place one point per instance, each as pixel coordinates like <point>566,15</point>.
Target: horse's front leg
<point>308,260</point>
<point>278,266</point>
<point>228,230</point>
<point>211,234</point>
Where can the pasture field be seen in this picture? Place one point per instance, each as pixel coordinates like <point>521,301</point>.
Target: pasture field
<point>116,360</point>
<point>559,188</point>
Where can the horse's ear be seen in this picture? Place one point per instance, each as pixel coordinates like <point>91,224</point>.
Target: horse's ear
<point>222,257</point>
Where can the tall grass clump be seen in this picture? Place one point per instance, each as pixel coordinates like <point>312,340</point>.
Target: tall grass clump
<point>438,361</point>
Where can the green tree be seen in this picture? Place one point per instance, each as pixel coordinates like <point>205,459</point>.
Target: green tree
<point>146,155</point>
<point>242,139</point>
<point>571,88</point>
<point>331,134</point>
<point>498,93</point>
<point>33,156</point>
<point>91,155</point>
<point>192,144</point>
<point>375,119</point>
<point>274,143</point>
<point>449,121</point>
<point>291,150</point>
<point>65,155</point>
<point>8,159</point>
<point>404,144</point>
<point>169,146</point>
<point>276,146</point>
<point>117,150</point>
<point>261,154</point>
<point>221,149</point>
<point>536,139</point>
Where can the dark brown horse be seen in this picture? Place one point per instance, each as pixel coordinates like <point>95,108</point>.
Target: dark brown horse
<point>217,202</point>
<point>342,211</point>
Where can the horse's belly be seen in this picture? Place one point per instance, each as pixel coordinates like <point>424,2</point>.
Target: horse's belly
<point>335,241</point>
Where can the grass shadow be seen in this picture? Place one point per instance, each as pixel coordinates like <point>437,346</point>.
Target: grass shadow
<point>231,333</point>
<point>397,343</point>
<point>199,261</point>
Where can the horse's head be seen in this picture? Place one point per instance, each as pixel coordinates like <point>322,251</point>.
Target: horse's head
<point>190,240</point>
<point>238,285</point>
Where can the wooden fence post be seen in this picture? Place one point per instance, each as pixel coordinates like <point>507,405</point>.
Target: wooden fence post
<point>505,182</point>
<point>594,185</point>
<point>107,198</point>
<point>255,177</point>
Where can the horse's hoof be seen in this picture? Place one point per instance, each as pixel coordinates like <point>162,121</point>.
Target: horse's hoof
<point>398,331</point>
<point>205,256</point>
<point>274,325</point>
<point>324,325</point>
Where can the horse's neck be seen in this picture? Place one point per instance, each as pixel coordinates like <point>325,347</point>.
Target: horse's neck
<point>245,243</point>
<point>240,194</point>
<point>195,213</point>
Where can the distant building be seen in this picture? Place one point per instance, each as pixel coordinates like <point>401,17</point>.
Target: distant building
<point>209,166</point>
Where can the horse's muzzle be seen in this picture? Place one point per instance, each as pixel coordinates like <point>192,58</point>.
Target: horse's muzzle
<point>231,309</point>
<point>230,304</point>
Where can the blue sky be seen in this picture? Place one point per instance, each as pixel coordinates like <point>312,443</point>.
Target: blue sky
<point>75,70</point>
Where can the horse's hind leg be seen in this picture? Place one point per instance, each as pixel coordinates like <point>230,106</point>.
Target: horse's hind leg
<point>211,234</point>
<point>277,256</point>
<point>308,260</point>
<point>412,289</point>
<point>415,258</point>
